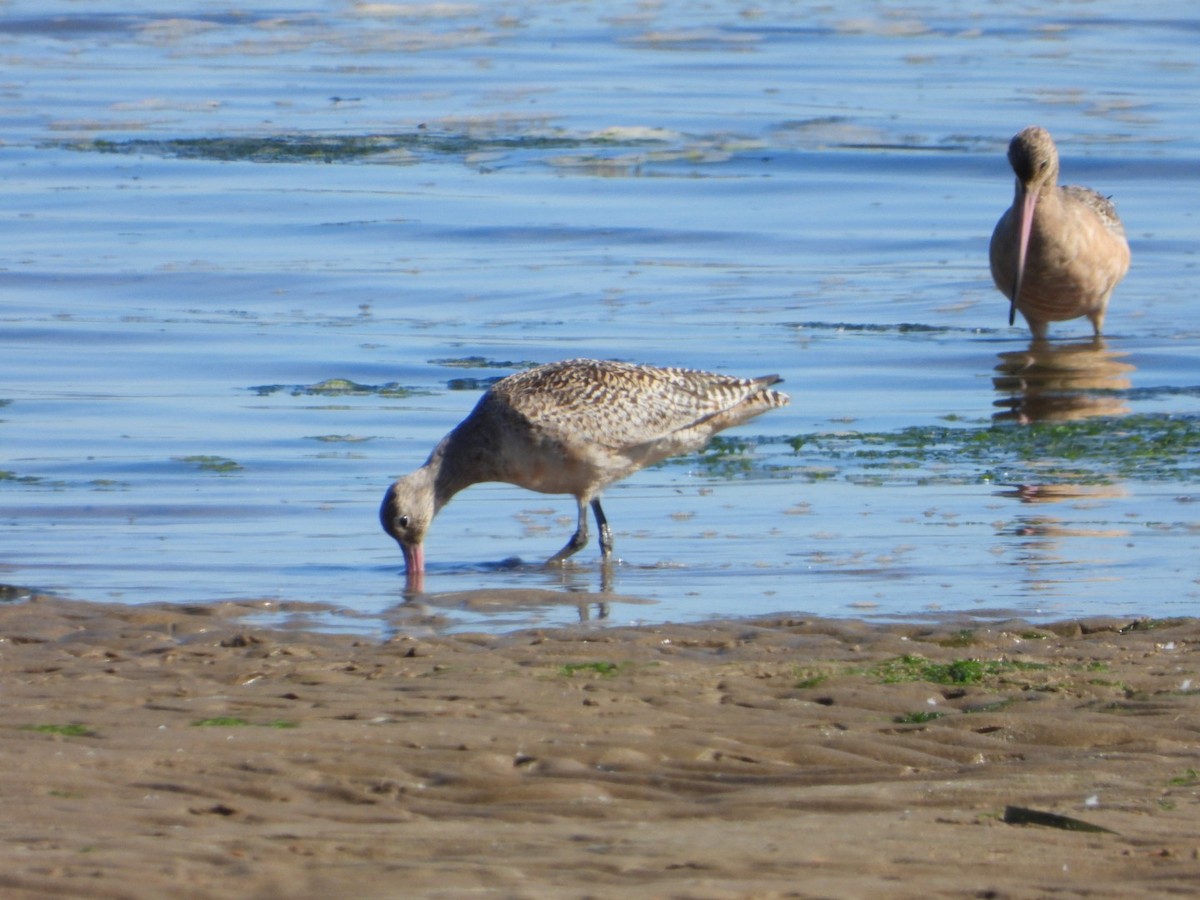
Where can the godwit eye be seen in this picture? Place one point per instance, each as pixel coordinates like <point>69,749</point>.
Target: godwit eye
<point>402,521</point>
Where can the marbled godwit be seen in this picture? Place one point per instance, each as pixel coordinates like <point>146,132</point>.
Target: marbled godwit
<point>1057,252</point>
<point>571,427</point>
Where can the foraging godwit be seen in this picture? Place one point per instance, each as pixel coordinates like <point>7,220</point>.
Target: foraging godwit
<point>1057,252</point>
<point>571,427</point>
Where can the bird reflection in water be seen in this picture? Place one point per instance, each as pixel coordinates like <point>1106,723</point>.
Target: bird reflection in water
<point>1058,493</point>
<point>1061,382</point>
<point>1053,552</point>
<point>524,606</point>
<point>564,587</point>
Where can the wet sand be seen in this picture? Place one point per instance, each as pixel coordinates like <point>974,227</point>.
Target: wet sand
<point>160,751</point>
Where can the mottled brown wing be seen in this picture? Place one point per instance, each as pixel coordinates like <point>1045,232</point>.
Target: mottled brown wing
<point>620,405</point>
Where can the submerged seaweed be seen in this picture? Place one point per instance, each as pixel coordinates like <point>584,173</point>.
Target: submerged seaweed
<point>209,463</point>
<point>301,147</point>
<point>336,387</point>
<point>1097,451</point>
<point>481,362</point>
<point>1145,447</point>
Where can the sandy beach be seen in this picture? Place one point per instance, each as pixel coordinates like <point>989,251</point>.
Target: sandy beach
<point>154,751</point>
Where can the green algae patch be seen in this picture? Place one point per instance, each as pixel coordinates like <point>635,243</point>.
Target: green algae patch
<point>807,679</point>
<point>13,478</point>
<point>238,722</point>
<point>299,147</point>
<point>912,667</point>
<point>339,438</point>
<point>727,457</point>
<point>336,387</point>
<point>74,729</point>
<point>473,383</point>
<point>1100,451</point>
<point>482,362</point>
<point>1103,450</point>
<point>218,464</point>
<point>964,637</point>
<point>732,457</point>
<point>918,718</point>
<point>601,668</point>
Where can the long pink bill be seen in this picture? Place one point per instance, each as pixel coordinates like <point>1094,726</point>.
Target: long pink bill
<point>1028,205</point>
<point>414,567</point>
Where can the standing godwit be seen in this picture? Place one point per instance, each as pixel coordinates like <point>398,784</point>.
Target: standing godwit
<point>1057,252</point>
<point>571,427</point>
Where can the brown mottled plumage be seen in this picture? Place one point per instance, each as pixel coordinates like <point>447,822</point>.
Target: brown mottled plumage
<point>571,427</point>
<point>1057,252</point>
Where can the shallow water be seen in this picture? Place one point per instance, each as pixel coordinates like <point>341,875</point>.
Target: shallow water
<point>194,239</point>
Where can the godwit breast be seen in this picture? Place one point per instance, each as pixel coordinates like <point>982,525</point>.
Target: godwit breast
<point>571,427</point>
<point>1057,252</point>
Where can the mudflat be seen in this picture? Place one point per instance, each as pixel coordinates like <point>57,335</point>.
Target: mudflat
<point>167,751</point>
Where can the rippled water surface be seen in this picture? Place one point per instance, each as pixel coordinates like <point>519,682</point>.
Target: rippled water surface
<point>256,262</point>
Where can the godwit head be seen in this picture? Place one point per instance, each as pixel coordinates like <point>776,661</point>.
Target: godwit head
<point>406,512</point>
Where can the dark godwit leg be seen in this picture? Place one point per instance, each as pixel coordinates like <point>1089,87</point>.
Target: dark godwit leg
<point>579,539</point>
<point>606,538</point>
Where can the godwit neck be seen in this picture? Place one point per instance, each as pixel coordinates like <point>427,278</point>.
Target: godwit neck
<point>464,457</point>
